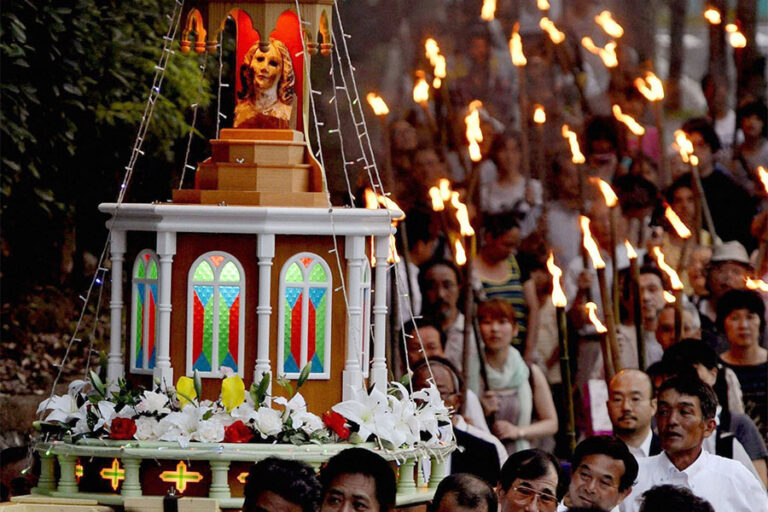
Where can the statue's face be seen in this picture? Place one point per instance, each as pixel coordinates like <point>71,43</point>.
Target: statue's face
<point>266,67</point>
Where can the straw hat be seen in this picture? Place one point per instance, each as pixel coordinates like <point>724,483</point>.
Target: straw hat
<point>730,251</point>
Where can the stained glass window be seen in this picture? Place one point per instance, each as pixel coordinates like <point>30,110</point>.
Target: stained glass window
<point>304,313</point>
<point>215,302</point>
<point>144,312</point>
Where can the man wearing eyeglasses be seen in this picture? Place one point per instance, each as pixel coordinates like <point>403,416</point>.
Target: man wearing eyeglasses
<point>603,471</point>
<point>685,417</point>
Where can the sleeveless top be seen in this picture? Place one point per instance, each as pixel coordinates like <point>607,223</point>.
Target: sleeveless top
<point>510,290</point>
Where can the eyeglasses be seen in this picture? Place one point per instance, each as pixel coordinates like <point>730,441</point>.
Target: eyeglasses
<point>526,494</point>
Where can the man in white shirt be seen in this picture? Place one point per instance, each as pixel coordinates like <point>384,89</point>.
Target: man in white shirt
<point>685,417</point>
<point>602,474</point>
<point>631,406</point>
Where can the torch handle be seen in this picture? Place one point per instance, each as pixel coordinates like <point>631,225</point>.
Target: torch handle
<point>612,345</point>
<point>637,313</point>
<point>565,373</point>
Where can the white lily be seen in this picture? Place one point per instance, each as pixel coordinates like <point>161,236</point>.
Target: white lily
<point>369,411</point>
<point>63,408</point>
<point>268,422</point>
<point>179,426</point>
<point>153,402</point>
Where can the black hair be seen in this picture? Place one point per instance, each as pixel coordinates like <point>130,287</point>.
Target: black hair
<point>530,464</point>
<point>681,357</point>
<point>703,127</point>
<point>685,180</point>
<point>672,498</point>
<point>651,268</point>
<point>292,480</point>
<point>469,490</point>
<point>635,192</point>
<point>585,509</point>
<point>692,386</point>
<point>425,321</point>
<point>612,447</point>
<point>499,143</point>
<point>657,369</point>
<point>420,226</point>
<point>365,462</point>
<point>426,267</point>
<point>497,224</point>
<point>754,108</point>
<point>740,299</point>
<point>600,128</point>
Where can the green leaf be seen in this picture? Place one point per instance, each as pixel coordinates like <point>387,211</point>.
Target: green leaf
<point>97,383</point>
<point>303,376</point>
<point>198,383</point>
<point>259,392</point>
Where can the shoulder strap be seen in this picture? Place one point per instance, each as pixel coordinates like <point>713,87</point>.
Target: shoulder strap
<point>724,444</point>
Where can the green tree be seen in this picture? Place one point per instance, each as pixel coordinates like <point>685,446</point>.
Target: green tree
<point>75,78</point>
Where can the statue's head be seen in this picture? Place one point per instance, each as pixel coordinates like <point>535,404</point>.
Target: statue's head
<point>266,67</point>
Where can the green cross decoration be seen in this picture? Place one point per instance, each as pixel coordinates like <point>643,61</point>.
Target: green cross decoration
<point>181,476</point>
<point>242,477</point>
<point>79,470</point>
<point>113,473</point>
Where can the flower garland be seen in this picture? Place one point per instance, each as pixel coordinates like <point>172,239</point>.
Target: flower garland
<point>395,419</point>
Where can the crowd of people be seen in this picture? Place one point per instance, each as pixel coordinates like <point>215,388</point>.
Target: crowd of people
<point>688,417</point>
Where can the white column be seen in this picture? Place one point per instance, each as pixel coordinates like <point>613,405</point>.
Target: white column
<point>265,251</point>
<point>115,365</point>
<point>166,249</point>
<point>379,363</point>
<point>353,375</point>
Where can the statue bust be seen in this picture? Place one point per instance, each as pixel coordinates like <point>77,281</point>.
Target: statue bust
<point>267,91</point>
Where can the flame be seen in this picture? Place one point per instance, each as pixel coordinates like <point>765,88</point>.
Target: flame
<point>393,256</point>
<point>461,254</point>
<point>539,115</point>
<point>489,10</point>
<point>437,201</point>
<point>763,174</point>
<point>677,284</point>
<point>462,215</point>
<point>680,228</point>
<point>378,105</point>
<point>577,156</point>
<point>757,284</point>
<point>589,243</point>
<point>607,54</point>
<point>445,188</point>
<point>685,147</point>
<point>609,25</point>
<point>650,87</point>
<point>474,133</point>
<point>543,5</point>
<point>549,27</point>
<point>373,200</point>
<point>592,309</point>
<point>558,296</point>
<point>669,298</point>
<point>516,47</point>
<point>628,121</point>
<point>713,16</point>
<point>421,91</point>
<point>735,38</point>
<point>608,194</point>
<point>631,253</point>
<point>432,51</point>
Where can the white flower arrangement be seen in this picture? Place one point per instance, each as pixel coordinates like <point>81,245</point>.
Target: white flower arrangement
<point>396,419</point>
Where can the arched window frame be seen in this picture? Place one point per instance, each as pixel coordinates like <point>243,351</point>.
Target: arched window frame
<point>147,257</point>
<point>216,283</point>
<point>305,285</point>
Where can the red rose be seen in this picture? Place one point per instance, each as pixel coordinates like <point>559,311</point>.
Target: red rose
<point>122,428</point>
<point>237,433</point>
<point>337,423</point>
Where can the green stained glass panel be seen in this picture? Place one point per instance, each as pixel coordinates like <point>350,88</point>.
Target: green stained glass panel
<point>294,274</point>
<point>223,329</point>
<point>139,329</point>
<point>230,273</point>
<point>152,269</point>
<point>203,272</point>
<point>287,325</point>
<point>320,328</point>
<point>140,269</point>
<point>318,274</point>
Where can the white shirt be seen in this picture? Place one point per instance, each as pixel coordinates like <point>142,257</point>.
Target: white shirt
<point>725,483</point>
<point>644,448</point>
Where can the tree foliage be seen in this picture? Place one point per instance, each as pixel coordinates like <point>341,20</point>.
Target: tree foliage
<point>76,76</point>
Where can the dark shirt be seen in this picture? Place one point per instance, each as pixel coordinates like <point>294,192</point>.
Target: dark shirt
<point>475,456</point>
<point>731,206</point>
<point>754,387</point>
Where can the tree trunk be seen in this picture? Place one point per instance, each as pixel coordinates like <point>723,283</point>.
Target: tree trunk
<point>639,22</point>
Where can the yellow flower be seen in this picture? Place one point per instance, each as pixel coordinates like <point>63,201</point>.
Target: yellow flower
<point>185,390</point>
<point>232,392</point>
